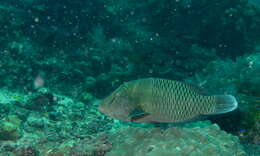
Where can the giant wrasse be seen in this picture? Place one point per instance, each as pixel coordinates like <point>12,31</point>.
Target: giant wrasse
<point>161,100</point>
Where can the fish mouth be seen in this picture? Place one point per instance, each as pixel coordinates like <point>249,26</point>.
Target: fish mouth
<point>114,115</point>
<point>104,111</point>
<point>101,109</point>
<point>105,102</point>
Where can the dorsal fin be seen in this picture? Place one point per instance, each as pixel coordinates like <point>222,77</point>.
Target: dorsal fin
<point>196,88</point>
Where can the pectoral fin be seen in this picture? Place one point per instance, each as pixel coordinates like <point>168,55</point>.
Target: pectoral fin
<point>137,114</point>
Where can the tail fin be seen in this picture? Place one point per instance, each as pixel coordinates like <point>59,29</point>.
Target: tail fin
<point>225,103</point>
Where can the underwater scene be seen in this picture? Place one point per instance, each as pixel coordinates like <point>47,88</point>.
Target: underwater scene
<point>129,77</point>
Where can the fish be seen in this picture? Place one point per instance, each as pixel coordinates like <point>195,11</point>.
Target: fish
<point>156,100</point>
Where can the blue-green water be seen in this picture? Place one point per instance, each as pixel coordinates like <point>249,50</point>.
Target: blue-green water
<point>60,58</point>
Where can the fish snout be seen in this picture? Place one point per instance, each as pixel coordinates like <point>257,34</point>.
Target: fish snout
<point>101,109</point>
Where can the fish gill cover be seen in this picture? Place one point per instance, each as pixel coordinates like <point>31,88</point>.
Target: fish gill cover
<point>57,58</point>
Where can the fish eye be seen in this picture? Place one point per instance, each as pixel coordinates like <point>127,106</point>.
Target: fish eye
<point>124,85</point>
<point>121,89</point>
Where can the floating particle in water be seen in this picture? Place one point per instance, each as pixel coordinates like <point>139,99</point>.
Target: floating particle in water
<point>250,64</point>
<point>36,20</point>
<point>38,82</point>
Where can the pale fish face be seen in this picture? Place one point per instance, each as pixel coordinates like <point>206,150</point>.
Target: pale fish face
<point>117,105</point>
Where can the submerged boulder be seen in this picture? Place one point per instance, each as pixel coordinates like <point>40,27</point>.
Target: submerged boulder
<point>10,128</point>
<point>199,139</point>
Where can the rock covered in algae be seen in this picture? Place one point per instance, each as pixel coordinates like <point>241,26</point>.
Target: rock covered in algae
<point>180,141</point>
<point>9,128</point>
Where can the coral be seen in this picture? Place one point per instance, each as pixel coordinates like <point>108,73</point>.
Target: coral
<point>40,100</point>
<point>37,121</point>
<point>171,39</point>
<point>82,50</point>
<point>91,147</point>
<point>78,129</point>
<point>26,151</point>
<point>252,135</point>
<point>86,97</point>
<point>239,77</point>
<point>201,139</point>
<point>10,128</point>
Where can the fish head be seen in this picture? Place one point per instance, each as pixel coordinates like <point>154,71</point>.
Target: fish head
<point>118,104</point>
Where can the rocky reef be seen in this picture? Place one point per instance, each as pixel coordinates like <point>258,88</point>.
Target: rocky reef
<point>57,58</point>
<point>67,127</point>
<point>201,138</point>
<point>40,134</point>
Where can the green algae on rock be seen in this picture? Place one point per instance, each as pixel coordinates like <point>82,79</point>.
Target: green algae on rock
<point>198,140</point>
<point>10,128</point>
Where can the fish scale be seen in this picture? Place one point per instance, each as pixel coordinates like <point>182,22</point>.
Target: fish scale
<point>167,104</point>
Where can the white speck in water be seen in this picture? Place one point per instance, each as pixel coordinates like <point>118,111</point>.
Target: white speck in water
<point>38,82</point>
<point>250,64</point>
<point>36,20</point>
